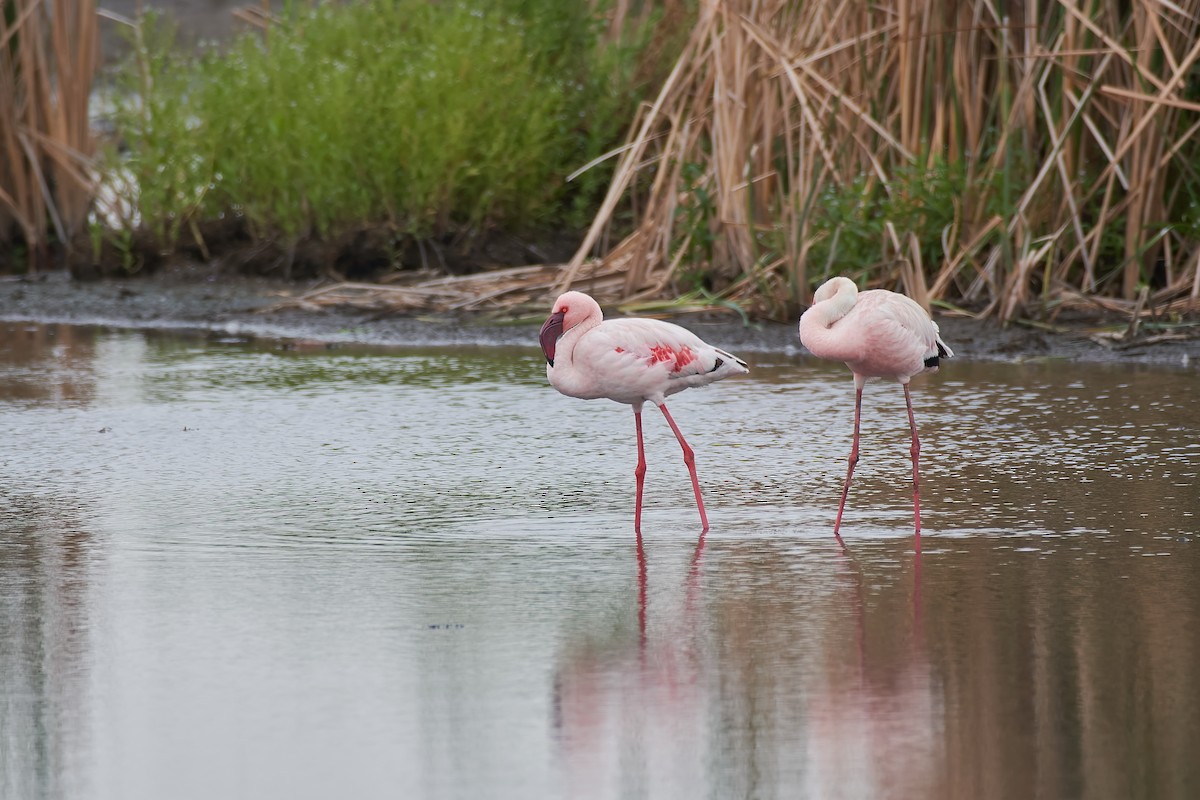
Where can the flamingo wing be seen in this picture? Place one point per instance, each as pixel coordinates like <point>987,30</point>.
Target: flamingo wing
<point>653,345</point>
<point>891,334</point>
<point>901,311</point>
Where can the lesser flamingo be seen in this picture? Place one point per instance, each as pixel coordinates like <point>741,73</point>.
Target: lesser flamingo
<point>878,334</point>
<point>630,361</point>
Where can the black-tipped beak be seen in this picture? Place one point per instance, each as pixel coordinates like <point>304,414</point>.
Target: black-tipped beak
<point>551,330</point>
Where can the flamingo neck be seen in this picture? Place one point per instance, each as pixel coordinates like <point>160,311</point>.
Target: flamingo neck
<point>571,337</point>
<point>817,330</point>
<point>829,309</point>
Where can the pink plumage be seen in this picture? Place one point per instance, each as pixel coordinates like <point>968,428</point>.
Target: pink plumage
<point>630,361</point>
<point>878,334</point>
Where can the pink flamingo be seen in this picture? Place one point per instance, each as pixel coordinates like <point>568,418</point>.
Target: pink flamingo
<point>879,334</point>
<point>630,361</point>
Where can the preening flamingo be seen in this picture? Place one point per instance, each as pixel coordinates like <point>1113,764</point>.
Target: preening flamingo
<point>879,334</point>
<point>630,361</point>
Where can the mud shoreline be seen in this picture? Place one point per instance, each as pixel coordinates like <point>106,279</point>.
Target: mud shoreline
<point>231,305</point>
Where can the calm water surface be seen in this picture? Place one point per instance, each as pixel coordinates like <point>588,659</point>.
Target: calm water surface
<point>234,570</point>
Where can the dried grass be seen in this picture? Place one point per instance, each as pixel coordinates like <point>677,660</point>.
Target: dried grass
<point>1070,121</point>
<point>49,53</point>
<point>500,291</point>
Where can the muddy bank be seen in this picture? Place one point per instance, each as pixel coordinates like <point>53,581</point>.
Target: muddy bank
<point>226,305</point>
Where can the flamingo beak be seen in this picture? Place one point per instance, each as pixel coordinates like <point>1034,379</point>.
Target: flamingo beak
<point>551,330</point>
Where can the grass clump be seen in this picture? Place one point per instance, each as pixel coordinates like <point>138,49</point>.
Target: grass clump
<point>849,224</point>
<point>434,120</point>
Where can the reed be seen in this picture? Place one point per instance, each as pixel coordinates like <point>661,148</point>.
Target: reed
<point>48,59</point>
<point>1009,165</point>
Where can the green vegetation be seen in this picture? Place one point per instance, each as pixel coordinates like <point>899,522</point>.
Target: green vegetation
<point>849,223</point>
<point>431,119</point>
<point>1014,167</point>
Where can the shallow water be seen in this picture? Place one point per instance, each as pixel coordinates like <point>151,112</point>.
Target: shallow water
<point>231,569</point>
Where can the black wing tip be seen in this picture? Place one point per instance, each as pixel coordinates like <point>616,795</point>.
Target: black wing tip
<point>933,361</point>
<point>720,362</point>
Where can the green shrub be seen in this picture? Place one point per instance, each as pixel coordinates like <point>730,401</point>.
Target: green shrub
<point>849,222</point>
<point>432,118</point>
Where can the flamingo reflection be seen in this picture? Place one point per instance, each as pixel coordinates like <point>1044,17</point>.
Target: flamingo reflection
<point>879,728</point>
<point>632,713</point>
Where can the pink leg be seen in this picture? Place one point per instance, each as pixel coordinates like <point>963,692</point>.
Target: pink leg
<point>916,454</point>
<point>639,471</point>
<point>689,458</point>
<point>858,389</point>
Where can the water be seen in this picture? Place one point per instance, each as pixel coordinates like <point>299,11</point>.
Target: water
<point>239,570</point>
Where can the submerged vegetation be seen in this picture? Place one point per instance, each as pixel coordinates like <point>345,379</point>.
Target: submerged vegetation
<point>739,151</point>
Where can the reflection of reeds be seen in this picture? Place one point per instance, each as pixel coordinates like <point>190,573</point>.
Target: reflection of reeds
<point>48,57</point>
<point>980,151</point>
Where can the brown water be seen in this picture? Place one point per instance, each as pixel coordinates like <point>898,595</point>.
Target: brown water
<point>236,570</point>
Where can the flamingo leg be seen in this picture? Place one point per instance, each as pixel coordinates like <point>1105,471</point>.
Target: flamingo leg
<point>639,471</point>
<point>916,454</point>
<point>858,390</point>
<point>689,458</point>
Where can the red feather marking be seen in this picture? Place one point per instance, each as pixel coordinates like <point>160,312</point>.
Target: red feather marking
<point>663,353</point>
<point>660,352</point>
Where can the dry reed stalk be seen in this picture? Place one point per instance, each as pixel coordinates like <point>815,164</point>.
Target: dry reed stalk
<point>49,53</point>
<point>1068,120</point>
<point>497,290</point>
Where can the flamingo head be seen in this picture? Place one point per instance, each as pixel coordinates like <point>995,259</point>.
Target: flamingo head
<point>568,310</point>
<point>833,300</point>
<point>833,287</point>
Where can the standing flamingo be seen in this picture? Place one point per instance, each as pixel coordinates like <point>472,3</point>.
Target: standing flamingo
<point>879,334</point>
<point>630,361</point>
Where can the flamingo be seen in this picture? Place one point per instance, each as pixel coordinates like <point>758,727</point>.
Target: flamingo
<point>879,334</point>
<point>630,361</point>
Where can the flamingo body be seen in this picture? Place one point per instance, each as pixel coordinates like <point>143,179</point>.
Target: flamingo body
<point>878,334</point>
<point>629,361</point>
<point>634,360</point>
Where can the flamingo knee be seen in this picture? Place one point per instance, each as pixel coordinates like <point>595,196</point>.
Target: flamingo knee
<point>689,456</point>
